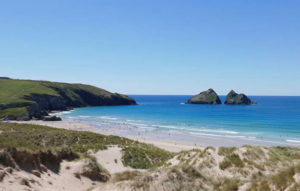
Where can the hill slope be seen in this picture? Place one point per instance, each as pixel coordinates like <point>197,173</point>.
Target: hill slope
<point>25,99</point>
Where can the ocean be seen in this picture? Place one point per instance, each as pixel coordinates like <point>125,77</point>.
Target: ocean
<point>274,118</point>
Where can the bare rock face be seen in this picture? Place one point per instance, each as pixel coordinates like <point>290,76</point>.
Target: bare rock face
<point>233,98</point>
<point>207,97</point>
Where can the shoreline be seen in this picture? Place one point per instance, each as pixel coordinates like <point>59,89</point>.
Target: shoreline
<point>170,141</point>
<point>82,126</point>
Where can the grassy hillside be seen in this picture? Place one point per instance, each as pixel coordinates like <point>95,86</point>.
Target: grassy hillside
<point>19,98</point>
<point>35,138</point>
<point>12,92</point>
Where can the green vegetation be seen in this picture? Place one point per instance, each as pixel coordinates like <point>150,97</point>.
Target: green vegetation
<point>21,94</point>
<point>254,153</point>
<point>237,98</point>
<point>231,159</point>
<point>192,172</point>
<point>227,185</point>
<point>13,112</point>
<point>206,97</point>
<point>12,92</point>
<point>280,153</point>
<point>247,168</point>
<point>240,99</point>
<point>143,156</point>
<point>36,138</point>
<point>281,180</point>
<point>127,175</point>
<point>226,150</point>
<point>212,97</point>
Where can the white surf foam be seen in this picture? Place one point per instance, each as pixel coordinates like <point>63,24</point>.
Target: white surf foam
<point>217,131</point>
<point>293,141</point>
<point>84,116</point>
<point>108,118</point>
<point>138,124</point>
<point>168,126</point>
<point>216,135</point>
<point>63,112</point>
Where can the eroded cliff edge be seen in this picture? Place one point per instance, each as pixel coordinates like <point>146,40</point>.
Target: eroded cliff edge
<point>27,99</point>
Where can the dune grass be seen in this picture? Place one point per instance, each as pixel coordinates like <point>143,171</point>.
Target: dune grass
<point>231,159</point>
<point>36,138</point>
<point>248,168</point>
<point>226,150</point>
<point>127,175</point>
<point>143,156</point>
<point>281,153</point>
<point>282,180</point>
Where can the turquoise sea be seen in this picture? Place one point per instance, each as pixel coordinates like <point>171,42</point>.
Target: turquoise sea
<point>274,118</point>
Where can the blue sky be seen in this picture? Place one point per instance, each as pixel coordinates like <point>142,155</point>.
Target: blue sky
<point>155,46</point>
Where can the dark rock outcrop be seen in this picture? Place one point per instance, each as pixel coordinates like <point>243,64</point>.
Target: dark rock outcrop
<point>233,98</point>
<point>207,97</point>
<point>45,103</point>
<point>51,118</point>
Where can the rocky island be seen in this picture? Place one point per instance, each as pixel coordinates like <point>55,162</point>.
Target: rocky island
<point>206,97</point>
<point>28,99</point>
<point>233,98</point>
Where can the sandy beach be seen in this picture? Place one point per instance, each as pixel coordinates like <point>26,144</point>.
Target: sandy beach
<point>167,144</point>
<point>170,141</point>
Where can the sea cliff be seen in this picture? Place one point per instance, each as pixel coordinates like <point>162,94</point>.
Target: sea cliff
<point>27,99</point>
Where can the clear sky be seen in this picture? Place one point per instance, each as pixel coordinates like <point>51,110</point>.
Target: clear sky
<point>155,46</point>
